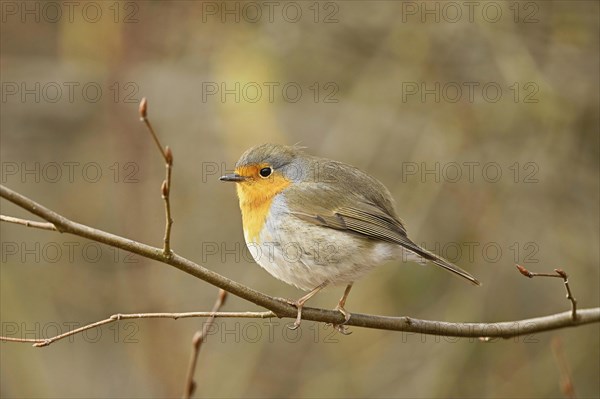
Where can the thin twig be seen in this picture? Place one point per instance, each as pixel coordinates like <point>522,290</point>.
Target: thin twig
<point>483,331</point>
<point>38,342</point>
<point>570,296</point>
<point>28,223</point>
<point>282,309</point>
<point>197,340</point>
<point>166,184</point>
<point>166,191</point>
<point>566,382</point>
<point>143,111</point>
<point>559,274</point>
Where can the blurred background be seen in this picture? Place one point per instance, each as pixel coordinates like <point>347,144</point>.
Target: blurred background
<point>482,120</point>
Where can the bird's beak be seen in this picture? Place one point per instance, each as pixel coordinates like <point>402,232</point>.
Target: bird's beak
<point>234,177</point>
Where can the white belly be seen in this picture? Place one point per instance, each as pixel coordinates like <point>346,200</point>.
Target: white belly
<point>306,255</point>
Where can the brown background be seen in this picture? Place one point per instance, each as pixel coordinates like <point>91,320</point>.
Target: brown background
<point>371,52</point>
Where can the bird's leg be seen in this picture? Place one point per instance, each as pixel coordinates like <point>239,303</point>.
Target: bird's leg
<point>300,304</point>
<point>342,303</point>
<point>340,306</point>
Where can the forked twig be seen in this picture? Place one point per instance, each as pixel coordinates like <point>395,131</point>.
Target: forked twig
<point>197,340</point>
<point>559,274</point>
<point>165,188</point>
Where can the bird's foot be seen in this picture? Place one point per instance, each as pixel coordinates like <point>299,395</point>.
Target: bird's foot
<point>342,328</point>
<point>298,317</point>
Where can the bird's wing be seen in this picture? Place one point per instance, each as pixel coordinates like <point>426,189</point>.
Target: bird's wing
<point>353,213</point>
<point>365,218</point>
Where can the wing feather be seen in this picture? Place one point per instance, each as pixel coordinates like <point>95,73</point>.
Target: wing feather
<point>370,221</point>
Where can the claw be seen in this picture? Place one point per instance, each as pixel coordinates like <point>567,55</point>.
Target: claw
<point>343,311</point>
<point>298,317</point>
<point>296,324</point>
<point>300,304</point>
<point>342,329</point>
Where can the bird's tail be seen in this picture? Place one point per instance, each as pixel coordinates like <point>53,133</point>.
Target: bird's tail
<point>438,260</point>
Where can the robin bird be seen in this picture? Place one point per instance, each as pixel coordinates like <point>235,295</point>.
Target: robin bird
<point>313,222</point>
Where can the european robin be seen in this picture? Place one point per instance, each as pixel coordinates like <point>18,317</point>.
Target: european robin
<point>313,222</point>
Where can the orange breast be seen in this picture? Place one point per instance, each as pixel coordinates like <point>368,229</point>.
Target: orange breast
<point>256,197</point>
<point>254,218</point>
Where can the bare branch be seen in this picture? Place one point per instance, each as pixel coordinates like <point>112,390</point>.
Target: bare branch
<point>38,342</point>
<point>570,296</point>
<point>166,191</point>
<point>282,309</point>
<point>197,340</point>
<point>143,110</point>
<point>482,331</point>
<point>559,274</point>
<point>166,185</point>
<point>28,223</point>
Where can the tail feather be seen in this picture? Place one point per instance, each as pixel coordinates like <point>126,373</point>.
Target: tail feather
<point>438,260</point>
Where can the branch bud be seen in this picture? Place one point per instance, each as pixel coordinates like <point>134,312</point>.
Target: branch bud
<point>561,273</point>
<point>143,110</point>
<point>524,271</point>
<point>169,155</point>
<point>164,189</point>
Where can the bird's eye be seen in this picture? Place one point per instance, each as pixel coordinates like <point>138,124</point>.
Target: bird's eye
<point>266,172</point>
